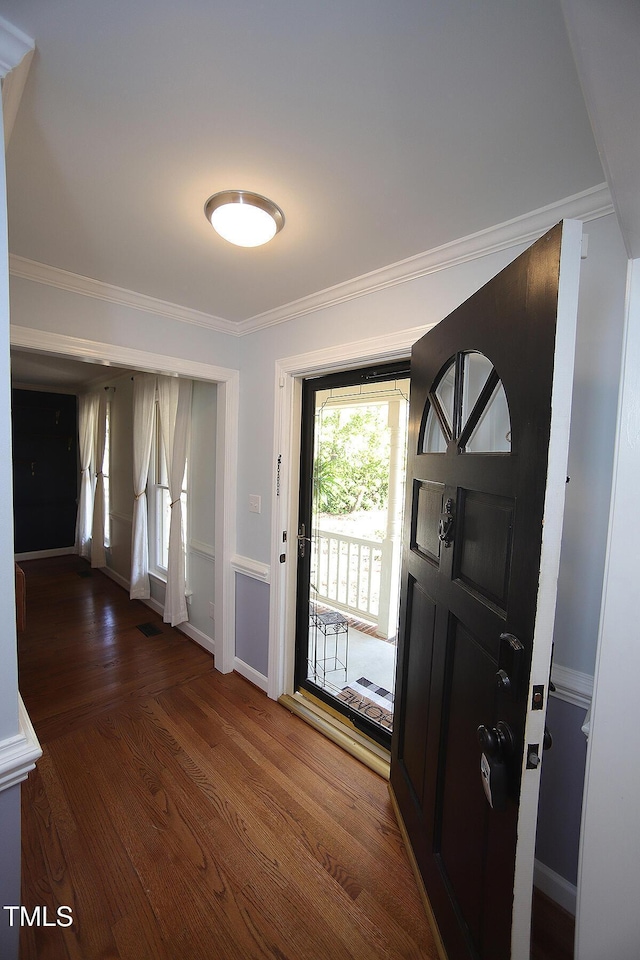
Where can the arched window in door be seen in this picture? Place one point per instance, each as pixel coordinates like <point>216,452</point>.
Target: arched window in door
<point>466,405</point>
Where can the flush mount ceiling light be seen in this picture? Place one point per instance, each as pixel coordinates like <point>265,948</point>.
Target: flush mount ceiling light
<point>244,218</point>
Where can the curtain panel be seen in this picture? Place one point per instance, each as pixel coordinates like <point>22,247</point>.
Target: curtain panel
<point>98,554</point>
<point>144,402</point>
<point>174,400</point>
<point>87,418</point>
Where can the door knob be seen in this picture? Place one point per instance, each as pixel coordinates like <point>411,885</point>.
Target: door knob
<point>496,742</point>
<point>497,746</point>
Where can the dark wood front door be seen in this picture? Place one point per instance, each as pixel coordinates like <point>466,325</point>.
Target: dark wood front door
<point>45,470</point>
<point>488,437</point>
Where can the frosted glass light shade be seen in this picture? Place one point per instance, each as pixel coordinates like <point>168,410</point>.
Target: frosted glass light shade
<point>243,218</point>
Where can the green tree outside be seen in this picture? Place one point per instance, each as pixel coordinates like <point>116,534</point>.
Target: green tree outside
<point>352,460</point>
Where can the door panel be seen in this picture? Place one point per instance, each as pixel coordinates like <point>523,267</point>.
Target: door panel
<point>482,386</point>
<point>426,509</point>
<point>484,539</point>
<point>420,625</point>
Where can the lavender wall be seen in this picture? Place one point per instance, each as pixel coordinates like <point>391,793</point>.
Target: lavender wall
<point>252,622</point>
<point>561,790</point>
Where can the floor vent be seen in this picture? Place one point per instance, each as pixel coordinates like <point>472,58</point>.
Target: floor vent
<point>85,573</point>
<point>149,629</point>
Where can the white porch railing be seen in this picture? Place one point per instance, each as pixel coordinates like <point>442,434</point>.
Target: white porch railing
<point>346,573</point>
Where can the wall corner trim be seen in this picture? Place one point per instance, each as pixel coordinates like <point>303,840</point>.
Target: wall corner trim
<point>251,568</point>
<point>18,754</point>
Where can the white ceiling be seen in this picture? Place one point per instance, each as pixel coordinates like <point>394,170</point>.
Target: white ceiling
<point>58,374</point>
<point>383,129</point>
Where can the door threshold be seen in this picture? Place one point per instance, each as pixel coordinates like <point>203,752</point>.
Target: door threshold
<point>340,731</point>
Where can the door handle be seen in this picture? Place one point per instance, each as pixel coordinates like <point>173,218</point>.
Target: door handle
<point>445,527</point>
<point>302,541</point>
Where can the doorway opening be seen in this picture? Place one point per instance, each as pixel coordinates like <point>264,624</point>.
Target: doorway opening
<point>353,452</point>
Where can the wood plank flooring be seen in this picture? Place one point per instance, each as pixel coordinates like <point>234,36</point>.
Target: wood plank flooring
<point>181,813</point>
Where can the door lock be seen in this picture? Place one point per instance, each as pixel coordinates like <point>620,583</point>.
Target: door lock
<point>497,746</point>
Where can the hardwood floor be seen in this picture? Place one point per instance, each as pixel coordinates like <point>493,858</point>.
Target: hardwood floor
<point>181,813</point>
<point>552,930</point>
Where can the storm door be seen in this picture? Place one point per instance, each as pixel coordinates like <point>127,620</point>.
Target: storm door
<point>350,542</point>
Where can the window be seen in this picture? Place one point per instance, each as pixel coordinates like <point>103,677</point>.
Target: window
<point>160,504</point>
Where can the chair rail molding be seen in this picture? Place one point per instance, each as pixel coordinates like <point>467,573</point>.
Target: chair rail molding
<point>572,686</point>
<point>18,754</point>
<point>251,568</point>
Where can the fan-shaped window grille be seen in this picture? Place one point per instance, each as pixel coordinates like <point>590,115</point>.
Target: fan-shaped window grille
<point>467,404</point>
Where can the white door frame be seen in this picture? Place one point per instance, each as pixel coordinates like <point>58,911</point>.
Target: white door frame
<point>289,374</point>
<point>227,380</point>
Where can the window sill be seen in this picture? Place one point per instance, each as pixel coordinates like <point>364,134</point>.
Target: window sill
<point>160,577</point>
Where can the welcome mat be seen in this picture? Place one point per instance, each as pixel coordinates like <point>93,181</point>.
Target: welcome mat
<point>369,699</point>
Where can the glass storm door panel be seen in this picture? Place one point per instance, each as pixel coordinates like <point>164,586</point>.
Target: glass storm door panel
<point>350,543</point>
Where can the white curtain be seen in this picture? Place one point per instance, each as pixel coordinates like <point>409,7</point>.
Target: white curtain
<point>87,415</point>
<point>144,400</point>
<point>98,555</point>
<point>174,398</point>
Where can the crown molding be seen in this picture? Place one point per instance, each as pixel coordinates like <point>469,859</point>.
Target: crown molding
<point>14,45</point>
<point>589,205</point>
<point>97,290</point>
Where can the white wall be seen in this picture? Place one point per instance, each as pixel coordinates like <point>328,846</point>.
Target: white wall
<point>9,798</point>
<point>202,502</point>
<point>609,876</point>
<point>591,445</point>
<point>10,727</point>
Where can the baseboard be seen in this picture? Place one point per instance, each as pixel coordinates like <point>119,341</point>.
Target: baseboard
<point>422,890</point>
<point>43,554</point>
<point>187,628</point>
<point>18,754</point>
<point>251,674</point>
<point>197,636</point>
<point>116,577</point>
<point>555,887</point>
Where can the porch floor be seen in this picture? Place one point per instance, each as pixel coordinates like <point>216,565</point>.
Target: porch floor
<point>368,657</point>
